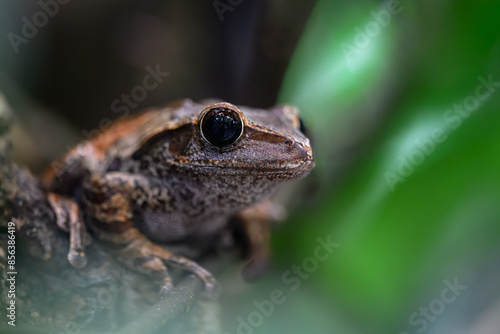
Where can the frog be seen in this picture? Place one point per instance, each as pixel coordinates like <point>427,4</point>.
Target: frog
<point>181,173</point>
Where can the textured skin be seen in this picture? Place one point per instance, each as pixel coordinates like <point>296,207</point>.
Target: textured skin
<point>152,177</point>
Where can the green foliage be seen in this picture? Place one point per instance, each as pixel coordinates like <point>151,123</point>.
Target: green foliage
<point>407,144</point>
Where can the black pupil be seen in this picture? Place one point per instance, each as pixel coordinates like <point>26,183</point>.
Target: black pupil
<point>221,127</point>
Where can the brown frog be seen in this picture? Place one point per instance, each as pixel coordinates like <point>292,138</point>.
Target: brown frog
<point>177,173</point>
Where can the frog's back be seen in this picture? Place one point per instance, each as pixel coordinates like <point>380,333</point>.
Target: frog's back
<point>123,137</point>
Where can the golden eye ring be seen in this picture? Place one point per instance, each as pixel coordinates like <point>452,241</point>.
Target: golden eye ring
<point>221,124</point>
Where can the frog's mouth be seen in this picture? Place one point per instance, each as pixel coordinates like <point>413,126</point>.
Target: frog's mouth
<point>269,174</point>
<point>263,169</point>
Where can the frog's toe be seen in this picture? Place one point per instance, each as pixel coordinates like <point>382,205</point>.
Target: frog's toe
<point>255,267</point>
<point>77,258</point>
<point>165,290</point>
<point>212,289</point>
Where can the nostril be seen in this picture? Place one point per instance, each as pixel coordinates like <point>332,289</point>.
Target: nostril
<point>289,146</point>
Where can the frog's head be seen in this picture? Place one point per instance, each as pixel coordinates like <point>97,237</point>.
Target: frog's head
<point>271,143</point>
<point>226,140</point>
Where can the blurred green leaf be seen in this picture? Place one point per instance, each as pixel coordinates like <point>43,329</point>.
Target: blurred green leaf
<point>435,216</point>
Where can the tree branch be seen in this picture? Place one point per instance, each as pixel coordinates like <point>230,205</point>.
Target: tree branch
<point>52,294</point>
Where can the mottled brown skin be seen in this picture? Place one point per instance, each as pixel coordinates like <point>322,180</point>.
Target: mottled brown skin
<point>153,179</point>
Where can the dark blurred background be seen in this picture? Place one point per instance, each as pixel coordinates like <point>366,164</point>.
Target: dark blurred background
<point>91,52</point>
<point>400,97</point>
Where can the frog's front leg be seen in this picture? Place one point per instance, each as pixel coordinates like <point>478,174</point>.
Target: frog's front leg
<point>110,199</point>
<point>255,224</point>
<point>68,219</point>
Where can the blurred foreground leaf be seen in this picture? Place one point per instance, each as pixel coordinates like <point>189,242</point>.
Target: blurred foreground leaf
<point>418,203</point>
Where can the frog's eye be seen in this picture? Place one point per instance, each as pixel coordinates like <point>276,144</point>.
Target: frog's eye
<point>221,126</point>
